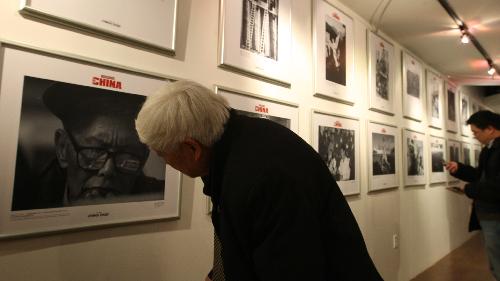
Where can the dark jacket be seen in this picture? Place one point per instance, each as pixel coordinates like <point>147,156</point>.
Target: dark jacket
<point>485,191</point>
<point>278,211</point>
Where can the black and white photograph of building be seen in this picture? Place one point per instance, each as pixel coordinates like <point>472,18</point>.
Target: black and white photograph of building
<point>437,155</point>
<point>382,75</point>
<point>280,120</point>
<point>412,83</point>
<point>415,157</point>
<point>451,106</point>
<point>259,29</point>
<point>335,55</point>
<point>336,147</point>
<point>384,162</point>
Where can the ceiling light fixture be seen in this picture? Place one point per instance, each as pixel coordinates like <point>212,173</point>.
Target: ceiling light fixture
<point>465,36</point>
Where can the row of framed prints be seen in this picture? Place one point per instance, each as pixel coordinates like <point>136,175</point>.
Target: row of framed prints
<point>255,38</point>
<point>337,139</point>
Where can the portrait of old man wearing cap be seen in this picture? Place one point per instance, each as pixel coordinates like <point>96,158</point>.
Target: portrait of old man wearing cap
<point>91,153</point>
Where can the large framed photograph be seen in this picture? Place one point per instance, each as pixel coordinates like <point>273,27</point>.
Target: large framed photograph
<point>383,154</point>
<point>336,138</point>
<point>333,41</point>
<point>464,114</point>
<point>454,155</point>
<point>438,159</point>
<point>71,157</point>
<point>413,157</point>
<point>435,100</point>
<point>451,109</point>
<point>253,105</point>
<point>255,38</point>
<point>150,24</point>
<point>381,74</point>
<point>413,98</point>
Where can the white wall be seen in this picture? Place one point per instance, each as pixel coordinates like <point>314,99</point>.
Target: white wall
<point>430,220</point>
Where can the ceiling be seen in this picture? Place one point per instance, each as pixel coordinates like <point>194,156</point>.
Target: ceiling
<point>427,30</point>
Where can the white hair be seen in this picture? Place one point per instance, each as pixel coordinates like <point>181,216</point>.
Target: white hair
<point>180,110</point>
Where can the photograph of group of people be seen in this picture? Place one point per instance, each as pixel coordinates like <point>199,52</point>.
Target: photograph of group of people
<point>336,147</point>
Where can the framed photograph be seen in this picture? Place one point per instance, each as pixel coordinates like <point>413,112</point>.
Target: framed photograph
<point>438,160</point>
<point>336,138</point>
<point>413,98</point>
<point>255,38</point>
<point>464,114</point>
<point>383,152</point>
<point>333,45</point>
<point>71,157</point>
<point>454,155</point>
<point>451,109</point>
<point>381,74</point>
<point>149,24</point>
<point>435,100</point>
<point>413,153</point>
<point>253,105</point>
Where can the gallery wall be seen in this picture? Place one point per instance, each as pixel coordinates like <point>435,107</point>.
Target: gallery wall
<point>428,220</point>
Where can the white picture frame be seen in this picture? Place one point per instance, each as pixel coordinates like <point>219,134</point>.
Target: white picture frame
<point>414,158</point>
<point>454,151</point>
<point>149,24</point>
<point>435,100</point>
<point>383,155</point>
<point>464,114</point>
<point>381,65</point>
<point>336,139</point>
<point>242,48</point>
<point>438,156</point>
<point>27,123</point>
<point>333,45</point>
<point>282,112</point>
<point>413,98</point>
<point>451,119</point>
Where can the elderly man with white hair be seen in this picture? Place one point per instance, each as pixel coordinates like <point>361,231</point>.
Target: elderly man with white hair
<point>278,212</point>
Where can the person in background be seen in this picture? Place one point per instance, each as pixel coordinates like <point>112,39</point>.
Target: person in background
<point>483,183</point>
<point>277,211</point>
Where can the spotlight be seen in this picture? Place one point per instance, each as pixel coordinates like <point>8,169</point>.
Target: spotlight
<point>491,70</point>
<point>464,38</point>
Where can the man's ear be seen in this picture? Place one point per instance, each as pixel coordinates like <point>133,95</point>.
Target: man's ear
<point>61,141</point>
<point>194,147</point>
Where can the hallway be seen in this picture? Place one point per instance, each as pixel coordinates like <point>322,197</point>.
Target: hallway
<point>466,263</point>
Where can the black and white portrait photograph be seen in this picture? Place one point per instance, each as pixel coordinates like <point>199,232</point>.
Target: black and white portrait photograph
<point>451,106</point>
<point>70,149</point>
<point>384,161</point>
<point>438,158</point>
<point>336,139</point>
<point>335,52</point>
<point>464,114</point>
<point>336,147</point>
<point>259,28</point>
<point>381,73</point>
<point>382,154</point>
<point>466,152</point>
<point>413,100</point>
<point>255,38</point>
<point>333,44</point>
<point>414,157</point>
<point>95,156</point>
<point>253,105</point>
<point>435,97</point>
<point>412,83</point>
